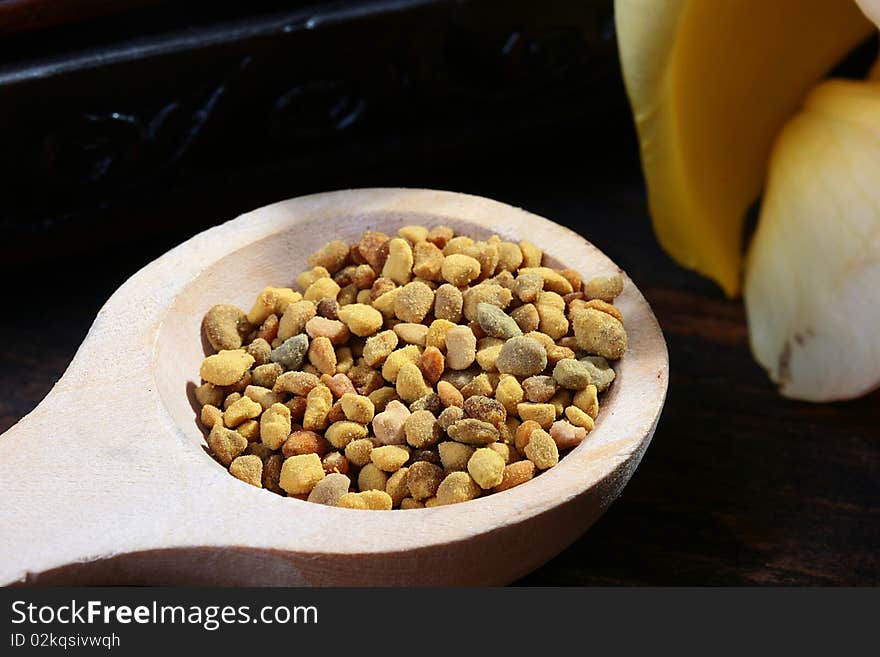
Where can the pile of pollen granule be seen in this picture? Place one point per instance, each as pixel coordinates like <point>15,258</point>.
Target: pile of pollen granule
<point>411,371</point>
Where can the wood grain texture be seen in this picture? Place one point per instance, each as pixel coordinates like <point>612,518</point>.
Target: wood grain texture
<point>739,486</point>
<point>138,490</point>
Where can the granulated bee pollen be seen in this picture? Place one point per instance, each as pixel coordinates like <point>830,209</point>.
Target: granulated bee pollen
<point>457,487</point>
<point>300,474</point>
<point>249,469</point>
<point>410,370</point>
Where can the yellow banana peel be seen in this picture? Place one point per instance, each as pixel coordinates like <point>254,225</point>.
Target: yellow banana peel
<point>812,287</point>
<point>711,83</point>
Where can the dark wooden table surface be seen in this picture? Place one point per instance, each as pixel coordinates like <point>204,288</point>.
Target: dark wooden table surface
<point>739,485</point>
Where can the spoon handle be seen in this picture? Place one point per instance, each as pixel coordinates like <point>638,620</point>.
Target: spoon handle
<point>42,493</point>
<point>80,484</point>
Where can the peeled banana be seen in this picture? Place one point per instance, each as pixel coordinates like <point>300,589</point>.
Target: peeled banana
<point>711,83</point>
<point>720,92</point>
<point>812,287</point>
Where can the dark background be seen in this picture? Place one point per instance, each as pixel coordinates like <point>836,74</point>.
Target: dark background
<point>129,127</point>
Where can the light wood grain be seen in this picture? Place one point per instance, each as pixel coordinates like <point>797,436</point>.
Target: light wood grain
<point>107,480</point>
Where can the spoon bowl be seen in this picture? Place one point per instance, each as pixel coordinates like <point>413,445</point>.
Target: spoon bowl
<point>108,481</point>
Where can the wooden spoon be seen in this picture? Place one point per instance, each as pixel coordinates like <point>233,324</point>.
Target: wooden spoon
<point>107,481</point>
